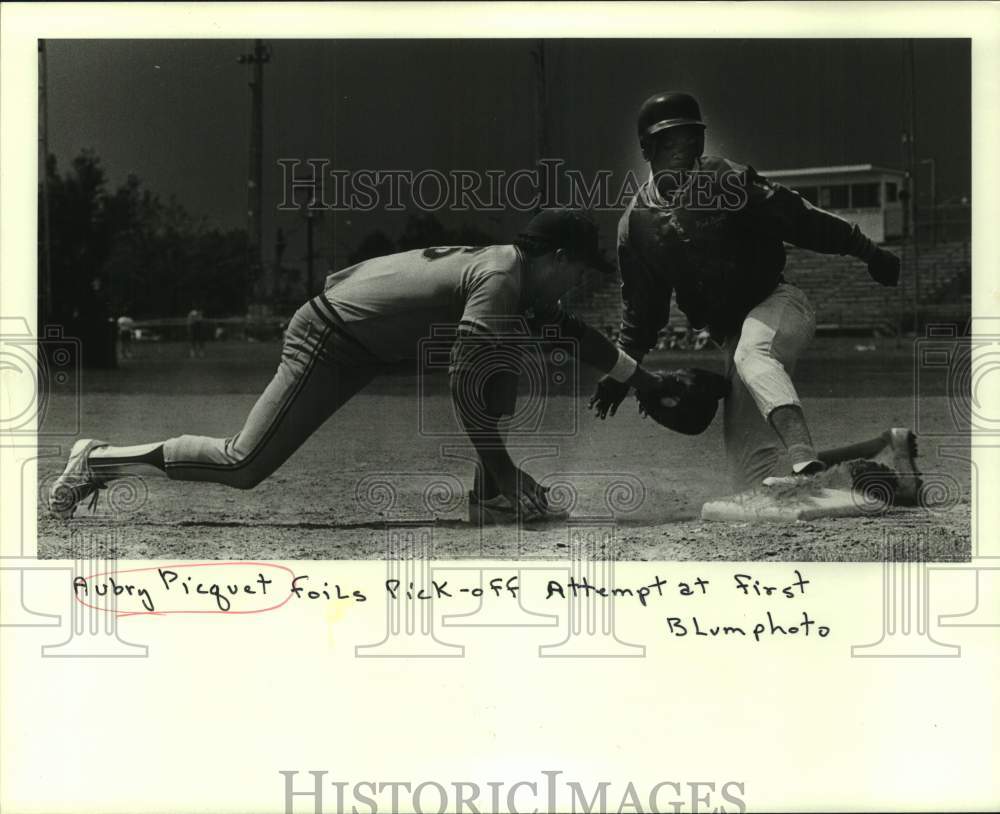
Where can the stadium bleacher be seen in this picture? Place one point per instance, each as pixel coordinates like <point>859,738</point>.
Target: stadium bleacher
<point>844,296</point>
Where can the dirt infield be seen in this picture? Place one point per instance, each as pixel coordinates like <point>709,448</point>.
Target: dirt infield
<point>385,466</point>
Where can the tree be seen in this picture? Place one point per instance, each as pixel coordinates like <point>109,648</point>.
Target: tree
<point>149,257</point>
<point>80,240</point>
<point>376,244</point>
<point>419,232</point>
<point>422,231</point>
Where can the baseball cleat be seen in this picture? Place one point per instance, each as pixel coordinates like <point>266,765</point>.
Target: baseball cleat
<point>900,455</point>
<point>77,481</point>
<point>499,511</point>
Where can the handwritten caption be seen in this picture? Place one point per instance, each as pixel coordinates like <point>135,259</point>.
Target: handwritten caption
<point>190,589</point>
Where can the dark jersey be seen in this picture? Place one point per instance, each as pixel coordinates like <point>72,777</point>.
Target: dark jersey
<point>717,242</point>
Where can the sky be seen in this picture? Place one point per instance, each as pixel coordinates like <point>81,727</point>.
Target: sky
<point>176,113</point>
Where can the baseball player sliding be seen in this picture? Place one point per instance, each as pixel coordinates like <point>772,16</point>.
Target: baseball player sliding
<point>712,232</point>
<point>372,315</point>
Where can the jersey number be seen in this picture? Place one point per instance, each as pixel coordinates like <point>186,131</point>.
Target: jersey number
<point>436,252</point>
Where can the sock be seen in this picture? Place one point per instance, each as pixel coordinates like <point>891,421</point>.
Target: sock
<point>804,459</point>
<point>483,486</point>
<point>790,425</point>
<point>808,467</point>
<point>116,462</point>
<point>865,449</point>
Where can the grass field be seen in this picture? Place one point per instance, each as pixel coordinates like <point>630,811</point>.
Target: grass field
<point>369,466</point>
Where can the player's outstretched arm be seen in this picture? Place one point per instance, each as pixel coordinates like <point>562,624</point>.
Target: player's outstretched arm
<point>622,372</point>
<point>645,300</point>
<point>644,313</point>
<point>810,227</point>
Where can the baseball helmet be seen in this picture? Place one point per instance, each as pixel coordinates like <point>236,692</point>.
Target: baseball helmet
<point>692,412</point>
<point>666,110</point>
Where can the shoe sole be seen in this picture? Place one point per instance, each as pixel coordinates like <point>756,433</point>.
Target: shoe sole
<point>480,515</point>
<point>483,516</point>
<point>81,447</point>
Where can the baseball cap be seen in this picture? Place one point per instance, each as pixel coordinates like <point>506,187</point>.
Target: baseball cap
<point>564,228</point>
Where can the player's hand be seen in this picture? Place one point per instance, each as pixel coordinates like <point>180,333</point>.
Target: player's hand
<point>884,268</point>
<point>608,396</point>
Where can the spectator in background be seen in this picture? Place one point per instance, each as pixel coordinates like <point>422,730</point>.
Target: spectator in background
<point>126,330</point>
<point>196,332</point>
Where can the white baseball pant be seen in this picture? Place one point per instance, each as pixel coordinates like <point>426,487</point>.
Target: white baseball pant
<point>759,364</point>
<point>321,368</point>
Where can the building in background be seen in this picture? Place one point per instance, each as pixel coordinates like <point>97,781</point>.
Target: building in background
<point>864,194</point>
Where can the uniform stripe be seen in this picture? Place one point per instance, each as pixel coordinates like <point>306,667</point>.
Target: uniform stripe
<point>324,310</point>
<point>272,428</point>
<point>476,327</point>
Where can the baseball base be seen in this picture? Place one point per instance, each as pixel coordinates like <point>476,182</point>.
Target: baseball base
<point>761,506</point>
<point>851,489</point>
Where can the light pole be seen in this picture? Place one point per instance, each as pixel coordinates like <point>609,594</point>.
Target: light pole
<point>43,171</point>
<point>911,73</point>
<point>311,212</point>
<point>310,216</point>
<point>541,129</point>
<point>933,196</point>
<point>260,56</point>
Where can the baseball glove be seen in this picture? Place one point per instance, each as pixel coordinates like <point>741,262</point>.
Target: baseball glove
<point>884,267</point>
<point>688,401</point>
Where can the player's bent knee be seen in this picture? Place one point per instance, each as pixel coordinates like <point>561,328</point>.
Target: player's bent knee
<point>246,474</point>
<point>245,479</point>
<point>749,358</point>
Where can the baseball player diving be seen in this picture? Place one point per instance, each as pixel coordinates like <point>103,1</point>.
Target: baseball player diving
<point>712,232</point>
<point>372,315</point>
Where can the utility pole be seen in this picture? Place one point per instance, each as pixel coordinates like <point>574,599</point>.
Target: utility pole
<point>541,116</point>
<point>932,196</point>
<point>310,222</point>
<point>260,56</point>
<point>311,212</point>
<point>911,170</point>
<point>904,193</point>
<point>43,170</point>
<point>280,244</point>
